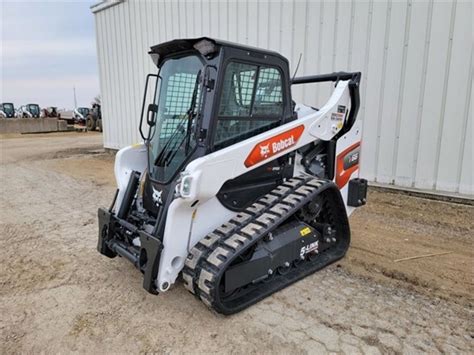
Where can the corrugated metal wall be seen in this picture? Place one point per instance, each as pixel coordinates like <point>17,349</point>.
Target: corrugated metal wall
<point>416,59</point>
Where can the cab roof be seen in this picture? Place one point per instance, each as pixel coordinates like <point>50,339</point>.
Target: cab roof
<point>159,51</point>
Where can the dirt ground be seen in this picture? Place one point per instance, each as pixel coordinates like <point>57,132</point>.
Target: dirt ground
<point>59,295</point>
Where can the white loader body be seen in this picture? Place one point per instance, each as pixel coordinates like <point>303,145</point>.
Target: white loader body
<point>195,211</point>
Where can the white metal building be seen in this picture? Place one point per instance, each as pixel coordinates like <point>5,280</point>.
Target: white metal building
<point>415,56</point>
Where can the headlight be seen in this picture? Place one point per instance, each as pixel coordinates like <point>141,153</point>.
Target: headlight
<point>205,47</point>
<point>186,186</point>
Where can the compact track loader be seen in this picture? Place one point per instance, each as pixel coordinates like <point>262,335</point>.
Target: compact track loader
<point>80,114</point>
<point>29,111</point>
<point>7,110</point>
<point>235,187</point>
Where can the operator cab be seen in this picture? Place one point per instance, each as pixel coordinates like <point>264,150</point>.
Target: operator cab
<point>210,94</point>
<point>82,112</point>
<point>33,109</point>
<point>8,109</point>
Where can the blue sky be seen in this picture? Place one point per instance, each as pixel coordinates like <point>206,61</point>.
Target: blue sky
<point>47,48</point>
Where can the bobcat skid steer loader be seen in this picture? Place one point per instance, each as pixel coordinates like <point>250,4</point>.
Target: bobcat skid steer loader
<point>236,188</point>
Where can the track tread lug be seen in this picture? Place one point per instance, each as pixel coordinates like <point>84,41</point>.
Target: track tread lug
<point>218,256</point>
<point>268,199</point>
<point>188,282</point>
<point>226,228</point>
<point>255,208</point>
<point>251,229</point>
<point>293,199</point>
<point>209,240</point>
<point>235,241</point>
<point>292,183</point>
<point>305,190</point>
<point>193,258</point>
<point>280,190</point>
<point>315,182</point>
<point>241,218</point>
<point>267,219</point>
<point>205,277</point>
<point>280,209</point>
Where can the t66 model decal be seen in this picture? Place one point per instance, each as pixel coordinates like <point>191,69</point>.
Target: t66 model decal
<point>274,145</point>
<point>347,163</point>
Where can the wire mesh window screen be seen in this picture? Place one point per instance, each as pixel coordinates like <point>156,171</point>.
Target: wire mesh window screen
<point>268,97</point>
<point>229,132</point>
<point>239,82</point>
<point>179,94</point>
<point>235,122</point>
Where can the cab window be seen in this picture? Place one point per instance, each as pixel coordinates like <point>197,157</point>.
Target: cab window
<point>251,102</point>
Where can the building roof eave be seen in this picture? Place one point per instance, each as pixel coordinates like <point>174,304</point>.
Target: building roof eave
<point>104,4</point>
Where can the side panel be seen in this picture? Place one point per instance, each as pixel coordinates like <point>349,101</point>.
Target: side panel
<point>128,159</point>
<point>206,218</point>
<point>348,155</point>
<point>185,226</point>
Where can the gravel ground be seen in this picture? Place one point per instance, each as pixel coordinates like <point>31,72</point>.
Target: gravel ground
<point>59,295</point>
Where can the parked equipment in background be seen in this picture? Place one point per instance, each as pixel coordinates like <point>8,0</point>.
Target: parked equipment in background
<point>51,112</point>
<point>29,111</point>
<point>236,187</point>
<point>80,114</point>
<point>7,110</point>
<point>94,118</point>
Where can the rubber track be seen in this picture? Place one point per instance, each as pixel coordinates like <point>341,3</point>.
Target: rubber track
<point>209,258</point>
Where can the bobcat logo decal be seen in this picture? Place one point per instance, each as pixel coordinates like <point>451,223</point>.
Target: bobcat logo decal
<point>265,150</point>
<point>274,145</point>
<point>156,196</point>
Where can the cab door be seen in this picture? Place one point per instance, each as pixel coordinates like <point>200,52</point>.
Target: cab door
<point>251,102</point>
